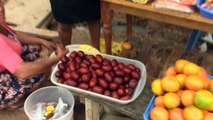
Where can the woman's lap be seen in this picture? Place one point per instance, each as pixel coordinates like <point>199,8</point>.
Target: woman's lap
<point>13,89</point>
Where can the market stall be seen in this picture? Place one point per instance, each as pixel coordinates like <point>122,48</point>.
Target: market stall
<point>156,55</point>
<point>190,20</point>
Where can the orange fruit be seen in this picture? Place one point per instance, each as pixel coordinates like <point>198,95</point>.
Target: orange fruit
<point>202,72</point>
<point>191,69</point>
<point>171,100</point>
<point>207,83</point>
<point>127,45</point>
<point>210,109</point>
<point>170,84</point>
<point>156,87</point>
<point>187,97</point>
<point>179,64</point>
<point>208,116</point>
<point>159,113</point>
<point>159,101</point>
<point>205,112</point>
<point>181,78</point>
<point>176,114</point>
<point>192,113</point>
<point>211,86</point>
<point>179,92</point>
<point>171,71</point>
<point>194,82</point>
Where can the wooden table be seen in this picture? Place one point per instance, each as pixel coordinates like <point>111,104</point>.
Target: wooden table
<point>194,21</point>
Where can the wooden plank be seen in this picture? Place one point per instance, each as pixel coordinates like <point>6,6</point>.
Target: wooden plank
<point>92,109</point>
<point>44,33</point>
<point>88,107</point>
<point>27,12</point>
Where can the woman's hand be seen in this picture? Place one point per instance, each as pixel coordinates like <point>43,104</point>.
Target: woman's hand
<point>61,51</point>
<point>27,69</point>
<point>49,45</point>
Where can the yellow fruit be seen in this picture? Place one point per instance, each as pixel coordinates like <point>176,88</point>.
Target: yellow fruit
<point>192,113</point>
<point>156,87</point>
<point>191,69</point>
<point>50,108</point>
<point>159,113</point>
<point>181,78</point>
<point>47,113</point>
<point>187,97</point>
<point>194,82</point>
<point>203,99</point>
<point>170,84</point>
<point>179,64</point>
<point>171,100</point>
<point>88,48</point>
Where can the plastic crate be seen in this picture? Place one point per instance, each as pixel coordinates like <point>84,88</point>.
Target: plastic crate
<point>203,11</point>
<point>137,91</point>
<point>151,105</point>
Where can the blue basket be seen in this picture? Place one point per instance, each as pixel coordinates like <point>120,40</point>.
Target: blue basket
<point>203,11</point>
<point>149,108</point>
<point>151,105</point>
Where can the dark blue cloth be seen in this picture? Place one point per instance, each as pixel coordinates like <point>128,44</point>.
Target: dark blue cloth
<point>75,11</point>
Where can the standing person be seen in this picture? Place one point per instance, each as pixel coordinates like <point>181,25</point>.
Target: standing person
<point>69,12</point>
<point>21,69</point>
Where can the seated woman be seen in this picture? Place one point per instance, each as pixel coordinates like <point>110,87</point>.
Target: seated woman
<point>21,70</point>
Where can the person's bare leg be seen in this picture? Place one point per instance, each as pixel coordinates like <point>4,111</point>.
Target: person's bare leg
<point>65,33</point>
<point>94,29</point>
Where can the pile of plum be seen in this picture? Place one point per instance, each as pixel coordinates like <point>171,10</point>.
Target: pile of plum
<point>97,74</point>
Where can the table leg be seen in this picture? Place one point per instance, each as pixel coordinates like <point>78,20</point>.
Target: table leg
<point>106,15</point>
<point>193,40</point>
<point>129,26</point>
<point>93,109</point>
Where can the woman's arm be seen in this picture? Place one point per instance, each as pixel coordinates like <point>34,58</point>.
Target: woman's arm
<point>28,39</point>
<point>27,69</point>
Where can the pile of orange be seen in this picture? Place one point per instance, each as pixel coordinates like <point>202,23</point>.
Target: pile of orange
<point>184,93</point>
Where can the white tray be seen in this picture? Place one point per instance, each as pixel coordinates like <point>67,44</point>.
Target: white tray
<point>136,93</point>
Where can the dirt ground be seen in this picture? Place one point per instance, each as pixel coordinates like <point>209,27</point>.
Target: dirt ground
<point>142,28</point>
